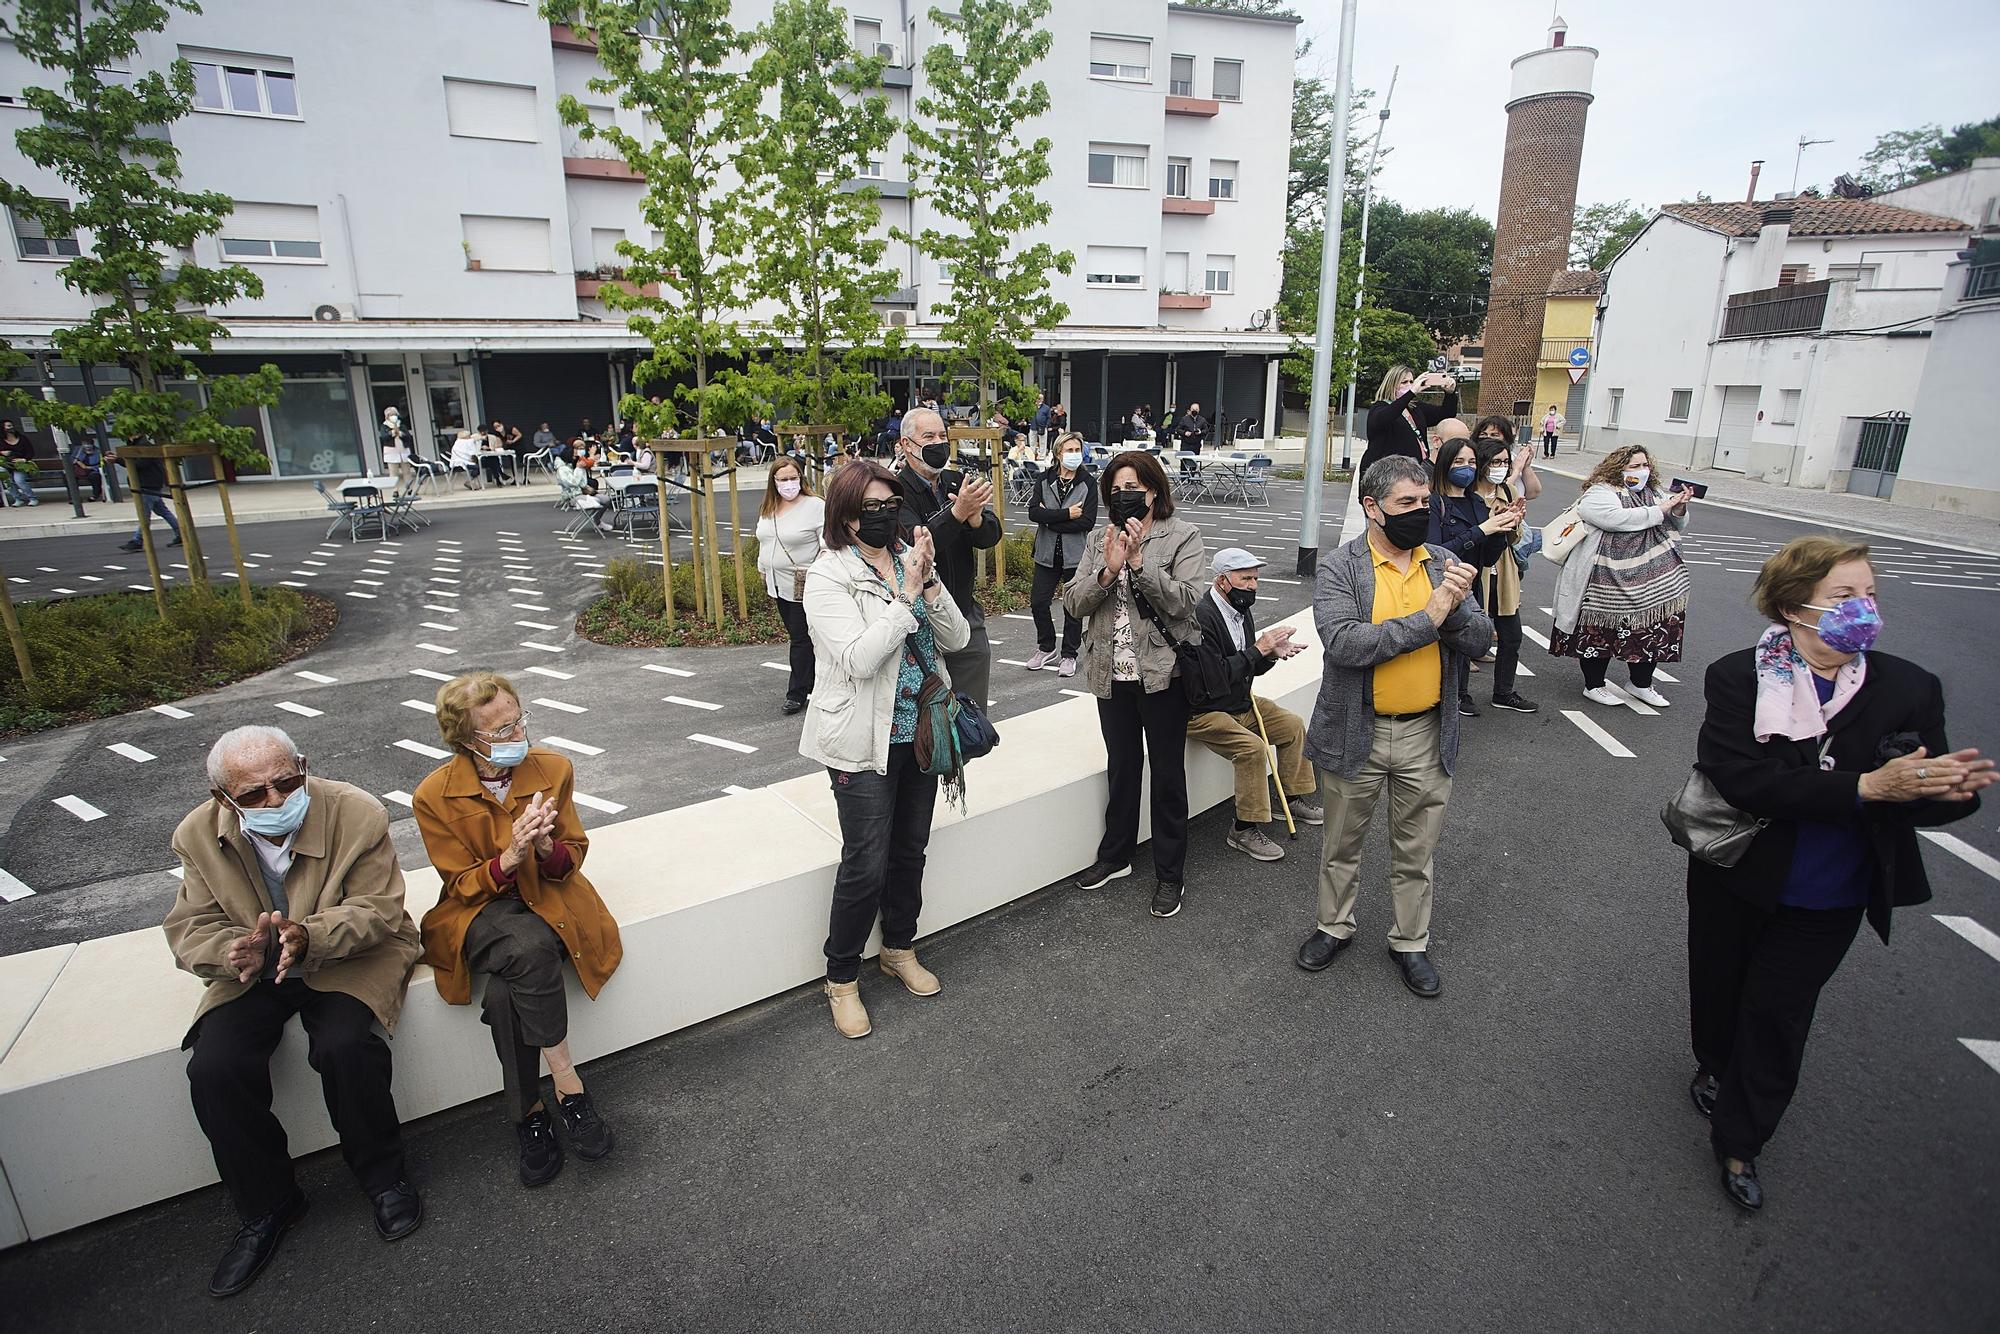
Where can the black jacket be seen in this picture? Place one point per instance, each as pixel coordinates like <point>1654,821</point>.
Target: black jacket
<point>1048,509</point>
<point>1466,540</point>
<point>1390,432</point>
<point>1899,707</point>
<point>955,542</point>
<point>1193,431</point>
<point>1239,666</point>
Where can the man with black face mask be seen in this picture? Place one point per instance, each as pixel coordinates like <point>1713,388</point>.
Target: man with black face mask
<point>1228,723</point>
<point>958,511</point>
<point>1393,616</point>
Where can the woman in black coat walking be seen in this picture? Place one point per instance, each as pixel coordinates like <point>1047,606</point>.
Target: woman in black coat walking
<point>1842,752</point>
<point>1397,422</point>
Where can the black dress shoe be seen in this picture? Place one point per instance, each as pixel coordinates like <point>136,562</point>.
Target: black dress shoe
<point>1418,974</point>
<point>254,1245</point>
<point>541,1156</point>
<point>398,1211</point>
<point>1319,949</point>
<point>588,1134</point>
<point>793,706</point>
<point>1742,1187</point>
<point>1703,1090</point>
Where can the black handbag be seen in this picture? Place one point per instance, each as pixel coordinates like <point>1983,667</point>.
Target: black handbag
<point>1202,678</point>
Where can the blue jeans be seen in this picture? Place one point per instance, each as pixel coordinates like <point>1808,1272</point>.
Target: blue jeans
<point>885,825</point>
<point>20,488</point>
<point>158,505</point>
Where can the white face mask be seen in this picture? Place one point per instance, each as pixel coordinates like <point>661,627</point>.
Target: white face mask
<point>789,488</point>
<point>1636,478</point>
<point>1498,473</point>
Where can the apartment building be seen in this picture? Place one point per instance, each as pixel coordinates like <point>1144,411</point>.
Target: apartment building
<point>430,235</point>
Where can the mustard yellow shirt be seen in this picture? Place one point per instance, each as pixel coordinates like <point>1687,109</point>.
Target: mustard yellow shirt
<point>1408,683</point>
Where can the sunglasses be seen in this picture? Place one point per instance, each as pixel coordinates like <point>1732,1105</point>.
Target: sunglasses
<point>284,787</point>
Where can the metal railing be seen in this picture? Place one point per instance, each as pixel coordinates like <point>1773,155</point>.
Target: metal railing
<point>1555,351</point>
<point>1982,281</point>
<point>1794,308</point>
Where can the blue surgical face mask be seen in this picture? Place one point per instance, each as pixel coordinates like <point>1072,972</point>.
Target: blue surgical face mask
<point>1071,462</point>
<point>277,821</point>
<point>1462,477</point>
<point>506,754</point>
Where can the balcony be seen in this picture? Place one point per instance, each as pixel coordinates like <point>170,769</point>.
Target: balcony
<point>590,287</point>
<point>1192,106</point>
<point>1792,309</point>
<point>565,38</point>
<point>1555,351</point>
<point>1174,204</point>
<point>600,169</point>
<point>1184,301</point>
<point>1982,281</point>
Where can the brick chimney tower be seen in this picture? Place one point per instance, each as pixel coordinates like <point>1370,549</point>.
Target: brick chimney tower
<point>1545,118</point>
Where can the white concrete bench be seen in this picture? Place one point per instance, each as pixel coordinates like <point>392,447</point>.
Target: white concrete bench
<point>720,904</point>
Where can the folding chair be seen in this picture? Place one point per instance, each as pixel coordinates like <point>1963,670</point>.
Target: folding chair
<point>340,509</point>
<point>1257,479</point>
<point>588,508</point>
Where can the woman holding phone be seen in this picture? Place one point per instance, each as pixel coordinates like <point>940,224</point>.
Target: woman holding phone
<point>1463,523</point>
<point>1398,423</point>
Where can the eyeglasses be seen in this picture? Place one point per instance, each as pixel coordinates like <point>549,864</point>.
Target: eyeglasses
<point>284,787</point>
<point>519,727</point>
<point>889,506</point>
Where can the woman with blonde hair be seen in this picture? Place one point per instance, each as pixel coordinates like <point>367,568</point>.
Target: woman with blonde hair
<point>1398,423</point>
<point>501,827</point>
<point>788,542</point>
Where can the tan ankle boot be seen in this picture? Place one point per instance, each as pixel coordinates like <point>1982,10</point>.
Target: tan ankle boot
<point>903,966</point>
<point>850,1016</point>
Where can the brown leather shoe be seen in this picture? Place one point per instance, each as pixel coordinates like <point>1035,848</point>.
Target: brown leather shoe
<point>850,1016</point>
<point>903,966</point>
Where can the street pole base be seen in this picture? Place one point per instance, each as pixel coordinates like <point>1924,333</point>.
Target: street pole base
<point>1308,562</point>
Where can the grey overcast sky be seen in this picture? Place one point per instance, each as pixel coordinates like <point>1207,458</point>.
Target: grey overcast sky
<point>1688,91</point>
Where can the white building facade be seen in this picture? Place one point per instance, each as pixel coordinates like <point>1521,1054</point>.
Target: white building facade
<point>1787,341</point>
<point>430,235</point>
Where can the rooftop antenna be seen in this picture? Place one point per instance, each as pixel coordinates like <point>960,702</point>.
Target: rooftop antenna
<point>1804,144</point>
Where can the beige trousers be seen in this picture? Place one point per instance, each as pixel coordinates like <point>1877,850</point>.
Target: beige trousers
<point>1234,737</point>
<point>1405,758</point>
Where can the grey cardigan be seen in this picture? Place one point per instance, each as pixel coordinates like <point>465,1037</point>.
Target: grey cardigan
<point>1173,574</point>
<point>1341,735</point>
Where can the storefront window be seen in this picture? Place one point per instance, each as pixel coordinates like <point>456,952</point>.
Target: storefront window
<point>312,429</point>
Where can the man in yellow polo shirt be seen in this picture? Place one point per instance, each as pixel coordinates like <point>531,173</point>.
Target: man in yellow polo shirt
<point>1394,621</point>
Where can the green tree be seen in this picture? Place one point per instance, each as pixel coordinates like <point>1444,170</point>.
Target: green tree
<point>679,76</point>
<point>1434,264</point>
<point>1956,150</point>
<point>1900,157</point>
<point>969,164</point>
<point>809,223</point>
<point>1602,230</point>
<point>99,133</point>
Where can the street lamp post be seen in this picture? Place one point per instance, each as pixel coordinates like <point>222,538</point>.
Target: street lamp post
<point>1361,271</point>
<point>1329,281</point>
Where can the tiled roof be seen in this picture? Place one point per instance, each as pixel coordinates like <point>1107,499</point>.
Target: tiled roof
<point>1815,217</point>
<point>1576,282</point>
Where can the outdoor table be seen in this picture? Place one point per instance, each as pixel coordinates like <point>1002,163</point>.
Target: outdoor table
<point>356,487</point>
<point>367,492</point>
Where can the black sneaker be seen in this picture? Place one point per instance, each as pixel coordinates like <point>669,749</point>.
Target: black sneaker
<point>1103,873</point>
<point>1167,898</point>
<point>1466,708</point>
<point>588,1134</point>
<point>541,1156</point>
<point>1515,703</point>
<point>131,546</point>
<point>176,542</point>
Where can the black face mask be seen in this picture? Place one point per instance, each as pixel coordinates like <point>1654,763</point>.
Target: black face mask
<point>879,529</point>
<point>1243,599</point>
<point>936,456</point>
<point>1406,531</point>
<point>1129,505</point>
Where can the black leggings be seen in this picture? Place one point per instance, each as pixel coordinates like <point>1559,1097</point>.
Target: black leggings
<point>1508,660</point>
<point>1595,669</point>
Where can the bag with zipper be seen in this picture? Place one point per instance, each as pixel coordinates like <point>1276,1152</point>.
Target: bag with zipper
<point>1562,533</point>
<point>1704,825</point>
<point>1202,679</point>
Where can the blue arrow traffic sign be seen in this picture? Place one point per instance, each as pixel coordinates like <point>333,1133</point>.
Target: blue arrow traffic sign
<point>1579,356</point>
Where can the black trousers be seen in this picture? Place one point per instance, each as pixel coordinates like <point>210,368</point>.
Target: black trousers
<point>1754,978</point>
<point>1596,669</point>
<point>229,1078</point>
<point>521,958</point>
<point>971,668</point>
<point>803,668</point>
<point>885,826</point>
<point>1158,720</point>
<point>1548,444</point>
<point>1507,661</point>
<point>1047,577</point>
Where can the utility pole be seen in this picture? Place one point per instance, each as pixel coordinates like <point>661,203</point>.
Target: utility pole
<point>1329,281</point>
<point>1361,272</point>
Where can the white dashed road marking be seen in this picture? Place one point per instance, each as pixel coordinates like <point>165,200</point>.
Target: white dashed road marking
<point>316,678</point>
<point>670,671</point>
<point>545,648</point>
<point>724,743</point>
<point>560,707</point>
<point>1985,940</point>
<point>595,803</point>
<point>356,593</point>
<point>419,748</point>
<point>1964,851</point>
<point>299,709</point>
<point>531,606</point>
<point>132,753</point>
<point>436,625</point>
<point>1985,1049</point>
<point>400,797</point>
<point>690,703</point>
<point>1588,726</point>
<point>171,711</point>
<point>80,808</point>
<point>436,648</point>
<point>11,889</point>
<point>551,672</point>
<point>777,666</point>
<point>419,705</point>
<point>427,672</point>
<point>536,625</point>
<point>564,743</point>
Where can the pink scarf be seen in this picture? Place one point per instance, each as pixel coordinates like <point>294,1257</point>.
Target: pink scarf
<point>1787,701</point>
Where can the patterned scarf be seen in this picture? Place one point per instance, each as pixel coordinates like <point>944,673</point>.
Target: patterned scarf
<point>1787,701</point>
<point>1638,579</point>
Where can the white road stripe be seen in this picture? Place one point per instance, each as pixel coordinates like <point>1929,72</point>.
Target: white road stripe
<point>1632,702</point>
<point>1589,728</point>
<point>529,606</point>
<point>436,648</point>
<point>441,579</point>
<point>1969,588</point>
<point>11,889</point>
<point>545,648</point>
<point>80,808</point>
<point>550,671</point>
<point>733,790</point>
<point>419,748</point>
<point>436,625</point>
<point>724,743</point>
<point>440,592</point>
<point>1985,1049</point>
<point>439,606</point>
<point>372,583</point>
<point>537,625</point>
<point>1080,694</point>
<point>419,705</point>
<point>668,671</point>
<point>284,583</point>
<point>777,666</point>
<point>1536,635</point>
<point>1016,616</point>
<point>265,554</point>
<point>1965,852</point>
<point>299,709</point>
<point>429,674</point>
<point>316,678</point>
<point>545,702</point>
<point>595,803</point>
<point>356,593</point>
<point>400,797</point>
<point>320,563</point>
<point>1666,676</point>
<point>1522,669</point>
<point>690,703</point>
<point>171,711</point>
<point>132,753</point>
<point>1985,940</point>
<point>564,743</point>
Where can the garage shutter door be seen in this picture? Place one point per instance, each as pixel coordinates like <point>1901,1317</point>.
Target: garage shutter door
<point>1739,418</point>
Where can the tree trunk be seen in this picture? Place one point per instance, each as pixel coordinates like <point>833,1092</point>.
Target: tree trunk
<point>15,638</point>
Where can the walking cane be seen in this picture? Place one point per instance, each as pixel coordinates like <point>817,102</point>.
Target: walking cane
<point>1271,758</point>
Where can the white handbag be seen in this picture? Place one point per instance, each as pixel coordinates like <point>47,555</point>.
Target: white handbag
<point>1561,534</point>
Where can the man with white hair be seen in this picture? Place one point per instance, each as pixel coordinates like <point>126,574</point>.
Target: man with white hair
<point>291,903</point>
<point>957,508</point>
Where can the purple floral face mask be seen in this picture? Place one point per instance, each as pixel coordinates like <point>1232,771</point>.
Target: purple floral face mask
<point>1849,626</point>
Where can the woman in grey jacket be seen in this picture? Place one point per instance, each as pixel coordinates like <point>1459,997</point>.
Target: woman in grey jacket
<point>1064,510</point>
<point>1136,589</point>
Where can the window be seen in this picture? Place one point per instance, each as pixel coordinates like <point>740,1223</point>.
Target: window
<point>490,110</point>
<point>871,170</point>
<point>867,35</point>
<point>272,233</point>
<point>1115,266</point>
<point>604,247</point>
<point>1221,274</point>
<point>1180,81</point>
<point>1616,409</point>
<point>1226,81</point>
<point>1178,170</point>
<point>1788,407</point>
<point>1128,58</point>
<point>32,241</point>
<point>1122,165</point>
<point>1221,179</point>
<point>517,244</point>
<point>1679,402</point>
<point>1794,273</point>
<point>1863,276</point>
<point>243,85</point>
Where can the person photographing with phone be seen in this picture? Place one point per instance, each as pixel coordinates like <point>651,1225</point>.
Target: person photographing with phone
<point>1464,524</point>
<point>501,827</point>
<point>1398,419</point>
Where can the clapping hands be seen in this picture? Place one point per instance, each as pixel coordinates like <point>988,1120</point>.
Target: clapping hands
<point>533,833</point>
<point>246,954</point>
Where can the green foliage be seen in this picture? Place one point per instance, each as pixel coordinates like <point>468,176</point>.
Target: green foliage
<point>1900,157</point>
<point>104,139</point>
<point>1313,114</point>
<point>632,611</point>
<point>1387,337</point>
<point>1957,149</point>
<point>681,78</point>
<point>967,161</point>
<point>809,228</point>
<point>1600,231</point>
<point>112,652</point>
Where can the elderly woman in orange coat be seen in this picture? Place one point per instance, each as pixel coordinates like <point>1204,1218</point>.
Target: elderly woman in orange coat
<point>502,830</point>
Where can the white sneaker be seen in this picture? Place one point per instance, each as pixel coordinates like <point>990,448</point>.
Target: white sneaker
<point>1605,695</point>
<point>1041,660</point>
<point>1648,695</point>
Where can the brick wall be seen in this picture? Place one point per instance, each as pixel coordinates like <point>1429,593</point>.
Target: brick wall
<point>1531,244</point>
